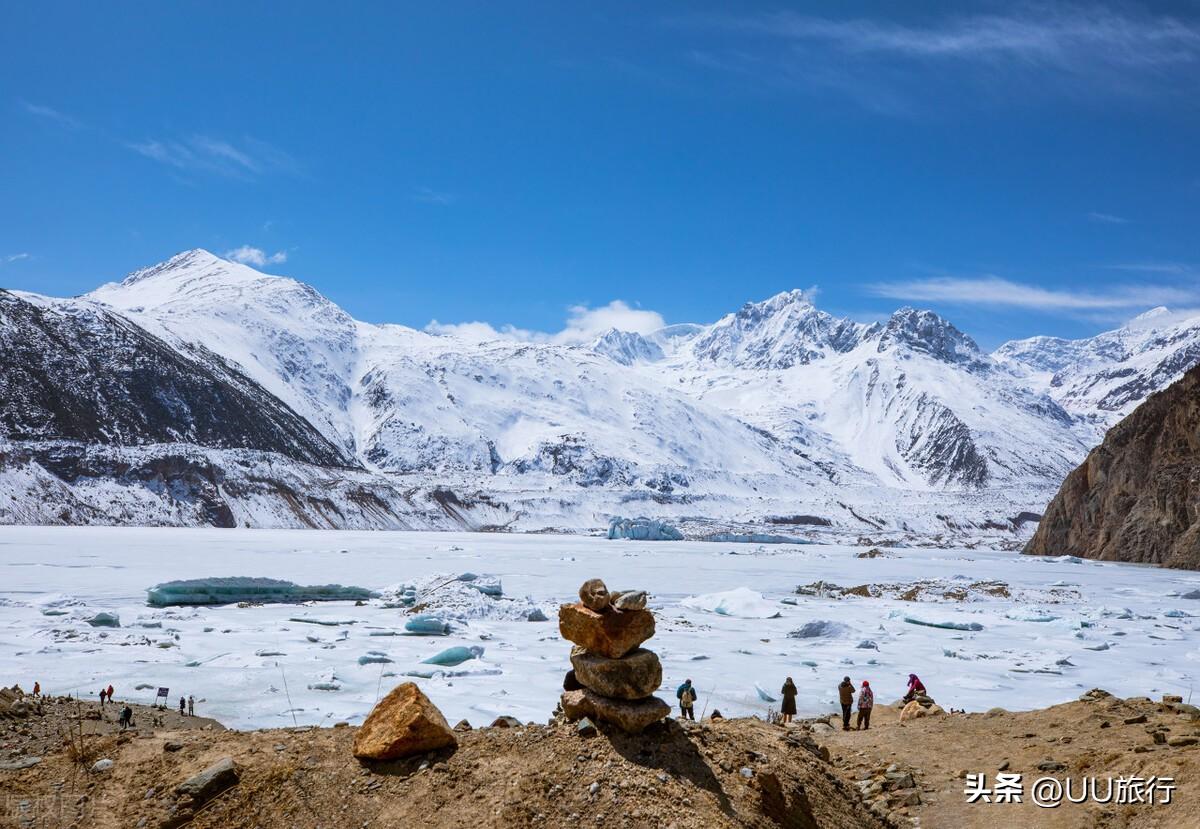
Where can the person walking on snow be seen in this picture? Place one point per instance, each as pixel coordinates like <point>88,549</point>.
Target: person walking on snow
<point>788,708</point>
<point>846,697</point>
<point>915,688</point>
<point>37,689</point>
<point>191,706</point>
<point>686,694</point>
<point>866,701</point>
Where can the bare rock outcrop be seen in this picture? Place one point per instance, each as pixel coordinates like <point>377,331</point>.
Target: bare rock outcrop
<point>1136,497</point>
<point>403,723</point>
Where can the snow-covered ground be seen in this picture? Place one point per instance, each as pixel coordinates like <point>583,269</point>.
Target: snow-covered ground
<point>1053,629</point>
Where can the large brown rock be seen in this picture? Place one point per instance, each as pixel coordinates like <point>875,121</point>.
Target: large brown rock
<point>609,633</point>
<point>631,716</point>
<point>635,675</point>
<point>403,723</point>
<point>1137,495</point>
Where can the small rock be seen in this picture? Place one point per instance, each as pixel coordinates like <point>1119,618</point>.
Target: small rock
<point>746,772</point>
<point>106,764</point>
<point>1005,766</point>
<point>462,725</point>
<point>1180,742</point>
<point>206,785</point>
<point>1135,720</point>
<point>1051,765</point>
<point>172,745</point>
<point>586,728</point>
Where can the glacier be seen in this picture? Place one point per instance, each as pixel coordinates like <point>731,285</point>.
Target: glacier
<point>1117,626</point>
<point>233,589</point>
<point>642,529</point>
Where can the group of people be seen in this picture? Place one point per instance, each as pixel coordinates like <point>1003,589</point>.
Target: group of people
<point>686,694</point>
<point>106,693</point>
<point>190,704</point>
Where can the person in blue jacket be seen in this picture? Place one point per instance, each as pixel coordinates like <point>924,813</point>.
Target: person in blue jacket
<point>686,694</point>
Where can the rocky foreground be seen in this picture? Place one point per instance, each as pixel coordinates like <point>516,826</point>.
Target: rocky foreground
<point>170,771</point>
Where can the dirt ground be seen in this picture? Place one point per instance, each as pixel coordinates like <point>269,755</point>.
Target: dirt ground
<point>740,772</point>
<point>711,774</point>
<point>1089,739</point>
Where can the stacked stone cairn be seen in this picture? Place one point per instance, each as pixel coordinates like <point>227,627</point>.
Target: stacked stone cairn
<point>613,678</point>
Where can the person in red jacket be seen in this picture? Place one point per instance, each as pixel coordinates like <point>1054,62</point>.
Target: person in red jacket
<point>915,687</point>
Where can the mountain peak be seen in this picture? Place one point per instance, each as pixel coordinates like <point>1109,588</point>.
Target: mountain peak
<point>930,333</point>
<point>193,259</point>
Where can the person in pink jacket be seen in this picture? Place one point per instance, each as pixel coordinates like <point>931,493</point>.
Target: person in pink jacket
<point>866,701</point>
<point>915,688</point>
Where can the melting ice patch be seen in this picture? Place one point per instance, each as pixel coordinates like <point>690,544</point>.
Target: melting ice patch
<point>233,589</point>
<point>741,602</point>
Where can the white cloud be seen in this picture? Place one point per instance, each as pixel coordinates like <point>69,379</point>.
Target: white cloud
<point>886,62</point>
<point>427,195</point>
<point>583,324</point>
<point>203,153</point>
<point>1106,218</point>
<point>51,114</point>
<point>257,257</point>
<point>992,290</point>
<point>14,257</point>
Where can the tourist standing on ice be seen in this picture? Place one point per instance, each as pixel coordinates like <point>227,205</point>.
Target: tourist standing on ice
<point>866,701</point>
<point>846,697</point>
<point>191,706</point>
<point>788,708</point>
<point>915,688</point>
<point>686,694</point>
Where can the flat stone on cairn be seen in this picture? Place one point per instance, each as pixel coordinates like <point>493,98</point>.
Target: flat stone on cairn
<point>614,679</point>
<point>634,676</point>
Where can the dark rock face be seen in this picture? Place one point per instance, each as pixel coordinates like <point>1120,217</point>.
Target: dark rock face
<point>1137,496</point>
<point>85,375</point>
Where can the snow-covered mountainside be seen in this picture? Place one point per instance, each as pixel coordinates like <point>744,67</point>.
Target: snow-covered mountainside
<point>778,414</point>
<point>1102,379</point>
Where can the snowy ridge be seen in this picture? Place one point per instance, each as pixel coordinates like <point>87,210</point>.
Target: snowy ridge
<point>1101,379</point>
<point>777,409</point>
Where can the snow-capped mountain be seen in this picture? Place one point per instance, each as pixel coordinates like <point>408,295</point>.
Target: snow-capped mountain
<point>1103,378</point>
<point>780,409</point>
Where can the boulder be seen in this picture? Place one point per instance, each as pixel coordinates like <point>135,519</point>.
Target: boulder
<point>628,600</point>
<point>605,634</point>
<point>594,595</point>
<point>403,723</point>
<point>635,675</point>
<point>631,716</point>
<point>571,682</point>
<point>206,785</point>
<point>912,711</point>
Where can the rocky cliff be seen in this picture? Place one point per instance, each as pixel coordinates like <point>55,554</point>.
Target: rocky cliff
<point>1137,496</point>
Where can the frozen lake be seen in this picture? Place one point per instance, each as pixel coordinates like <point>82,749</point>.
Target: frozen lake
<point>1054,629</point>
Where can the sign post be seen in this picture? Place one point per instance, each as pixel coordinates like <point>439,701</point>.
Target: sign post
<point>162,694</point>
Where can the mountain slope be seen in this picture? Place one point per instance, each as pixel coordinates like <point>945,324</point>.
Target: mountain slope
<point>103,422</point>
<point>780,409</point>
<point>1137,496</point>
<point>1103,378</point>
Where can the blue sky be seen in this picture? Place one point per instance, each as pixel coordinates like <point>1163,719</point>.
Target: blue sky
<point>1021,168</point>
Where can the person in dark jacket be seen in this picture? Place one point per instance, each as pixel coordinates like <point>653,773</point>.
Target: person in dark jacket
<point>126,719</point>
<point>686,694</point>
<point>866,701</point>
<point>846,697</point>
<point>788,708</point>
